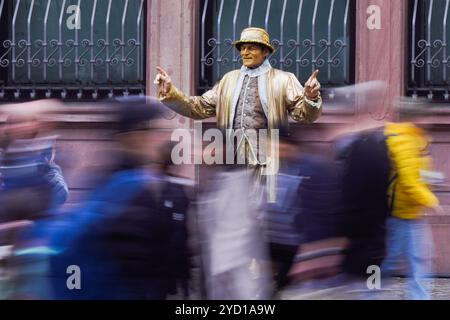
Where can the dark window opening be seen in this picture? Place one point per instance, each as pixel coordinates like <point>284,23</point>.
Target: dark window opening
<point>72,49</point>
<point>308,35</point>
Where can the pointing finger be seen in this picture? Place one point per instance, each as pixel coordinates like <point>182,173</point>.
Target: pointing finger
<point>313,77</point>
<point>162,71</point>
<point>315,74</point>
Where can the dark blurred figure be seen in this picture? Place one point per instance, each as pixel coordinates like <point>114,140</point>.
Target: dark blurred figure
<point>281,230</point>
<point>301,225</point>
<point>128,239</point>
<point>177,203</point>
<point>317,220</point>
<point>366,175</point>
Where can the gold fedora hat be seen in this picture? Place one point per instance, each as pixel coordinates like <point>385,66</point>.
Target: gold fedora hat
<point>255,35</point>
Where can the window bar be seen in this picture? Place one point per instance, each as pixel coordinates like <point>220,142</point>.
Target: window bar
<point>219,23</point>
<point>4,62</point>
<point>13,60</point>
<point>94,8</point>
<point>330,21</point>
<point>430,14</point>
<point>76,44</point>
<point>4,45</point>
<point>313,44</point>
<point>124,16</point>
<point>236,11</point>
<point>30,14</point>
<point>266,20</point>
<point>203,59</point>
<point>281,45</point>
<point>108,58</point>
<point>1,8</point>
<point>300,9</point>
<point>413,47</point>
<point>346,46</point>
<point>445,60</point>
<point>250,18</point>
<point>47,10</point>
<point>60,43</point>
<point>139,42</point>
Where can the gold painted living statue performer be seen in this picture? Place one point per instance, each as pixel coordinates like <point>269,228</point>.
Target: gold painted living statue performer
<point>253,98</point>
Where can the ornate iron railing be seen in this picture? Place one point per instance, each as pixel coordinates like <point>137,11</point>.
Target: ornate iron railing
<point>308,35</point>
<point>429,58</point>
<point>73,49</point>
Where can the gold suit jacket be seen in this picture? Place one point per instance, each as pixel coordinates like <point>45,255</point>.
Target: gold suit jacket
<point>284,98</point>
<point>284,94</point>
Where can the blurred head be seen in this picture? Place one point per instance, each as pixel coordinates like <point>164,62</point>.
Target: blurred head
<point>143,146</point>
<point>370,101</point>
<point>413,110</point>
<point>21,126</point>
<point>18,126</point>
<point>136,138</point>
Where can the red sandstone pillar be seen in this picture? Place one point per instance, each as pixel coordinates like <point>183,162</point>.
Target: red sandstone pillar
<point>381,47</point>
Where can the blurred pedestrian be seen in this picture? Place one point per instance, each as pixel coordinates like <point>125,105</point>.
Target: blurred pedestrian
<point>123,238</point>
<point>32,189</point>
<point>409,195</point>
<point>319,221</point>
<point>280,218</point>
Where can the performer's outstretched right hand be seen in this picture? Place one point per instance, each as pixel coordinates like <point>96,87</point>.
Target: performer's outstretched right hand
<point>163,81</point>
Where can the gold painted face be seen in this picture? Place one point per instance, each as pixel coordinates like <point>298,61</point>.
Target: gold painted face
<point>253,55</point>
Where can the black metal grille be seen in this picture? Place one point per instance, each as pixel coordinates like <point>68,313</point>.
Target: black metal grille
<point>308,35</point>
<point>429,59</point>
<point>73,49</point>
